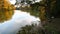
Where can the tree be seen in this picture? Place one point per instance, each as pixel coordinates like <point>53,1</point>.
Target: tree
<point>6,10</point>
<point>49,13</point>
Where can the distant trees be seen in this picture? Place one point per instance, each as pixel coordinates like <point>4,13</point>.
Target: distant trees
<point>6,10</point>
<point>45,9</point>
<point>49,13</point>
<point>25,1</point>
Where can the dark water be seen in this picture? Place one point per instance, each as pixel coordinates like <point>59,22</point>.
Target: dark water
<point>19,19</point>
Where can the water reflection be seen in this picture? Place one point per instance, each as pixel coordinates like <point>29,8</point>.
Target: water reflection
<point>5,15</point>
<point>18,20</point>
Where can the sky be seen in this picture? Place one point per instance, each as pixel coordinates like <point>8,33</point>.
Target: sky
<point>14,1</point>
<point>19,19</point>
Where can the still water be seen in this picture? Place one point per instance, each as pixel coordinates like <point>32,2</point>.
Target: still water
<point>18,20</point>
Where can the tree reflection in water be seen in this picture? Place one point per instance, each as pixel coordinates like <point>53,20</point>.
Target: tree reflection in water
<point>6,10</point>
<point>5,15</point>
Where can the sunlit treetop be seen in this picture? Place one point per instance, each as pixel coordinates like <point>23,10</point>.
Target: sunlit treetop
<point>6,10</point>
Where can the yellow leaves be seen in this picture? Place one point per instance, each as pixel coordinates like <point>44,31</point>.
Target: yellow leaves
<point>6,11</point>
<point>7,15</point>
<point>42,13</point>
<point>6,3</point>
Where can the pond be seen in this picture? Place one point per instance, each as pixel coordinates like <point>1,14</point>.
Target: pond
<point>19,19</point>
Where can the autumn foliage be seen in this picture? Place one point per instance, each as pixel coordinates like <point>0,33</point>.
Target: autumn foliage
<point>6,10</point>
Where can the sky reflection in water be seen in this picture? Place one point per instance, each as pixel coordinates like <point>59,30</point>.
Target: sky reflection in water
<point>18,20</point>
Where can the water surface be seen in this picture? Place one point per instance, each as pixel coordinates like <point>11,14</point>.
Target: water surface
<point>18,20</point>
